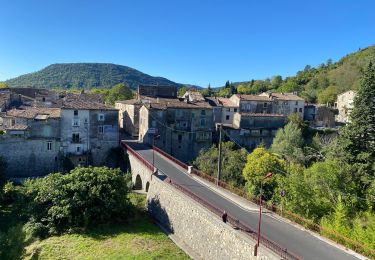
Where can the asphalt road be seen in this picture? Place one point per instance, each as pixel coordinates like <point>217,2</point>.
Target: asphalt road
<point>297,241</point>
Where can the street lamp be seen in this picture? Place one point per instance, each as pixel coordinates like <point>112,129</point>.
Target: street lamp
<point>268,175</point>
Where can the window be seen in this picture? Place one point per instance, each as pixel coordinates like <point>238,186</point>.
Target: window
<point>264,105</point>
<point>203,122</point>
<point>179,138</point>
<point>13,122</point>
<point>227,117</point>
<point>44,99</point>
<point>203,112</point>
<point>76,112</point>
<point>296,103</point>
<point>228,109</point>
<point>100,129</point>
<point>78,149</point>
<point>295,110</point>
<point>260,131</point>
<point>49,146</point>
<point>75,122</point>
<point>75,138</point>
<point>235,109</point>
<point>260,140</point>
<point>101,117</point>
<point>300,109</point>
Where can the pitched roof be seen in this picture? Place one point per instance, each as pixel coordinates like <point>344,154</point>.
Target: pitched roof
<point>283,96</point>
<point>34,113</point>
<point>85,105</point>
<point>220,101</point>
<point>254,98</point>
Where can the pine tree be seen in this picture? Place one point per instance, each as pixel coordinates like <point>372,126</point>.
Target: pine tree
<point>357,138</point>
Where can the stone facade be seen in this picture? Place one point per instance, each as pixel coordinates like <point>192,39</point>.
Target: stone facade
<point>182,129</point>
<point>344,104</point>
<point>197,227</point>
<point>251,130</point>
<point>87,135</point>
<point>129,116</point>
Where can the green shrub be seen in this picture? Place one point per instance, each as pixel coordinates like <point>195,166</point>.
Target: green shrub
<point>81,198</point>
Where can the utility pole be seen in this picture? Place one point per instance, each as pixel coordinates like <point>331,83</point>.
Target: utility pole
<point>219,158</point>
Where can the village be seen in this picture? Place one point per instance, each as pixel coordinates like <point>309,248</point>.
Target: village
<point>43,131</point>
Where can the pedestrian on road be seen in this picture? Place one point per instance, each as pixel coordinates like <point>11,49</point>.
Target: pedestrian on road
<point>225,217</point>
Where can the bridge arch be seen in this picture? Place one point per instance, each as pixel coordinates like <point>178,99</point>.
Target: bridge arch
<point>138,183</point>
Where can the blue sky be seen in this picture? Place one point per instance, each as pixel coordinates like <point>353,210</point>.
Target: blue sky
<point>196,42</point>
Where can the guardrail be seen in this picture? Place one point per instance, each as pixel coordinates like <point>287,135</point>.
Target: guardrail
<point>170,157</point>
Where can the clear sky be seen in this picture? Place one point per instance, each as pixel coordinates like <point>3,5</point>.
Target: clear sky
<point>187,41</point>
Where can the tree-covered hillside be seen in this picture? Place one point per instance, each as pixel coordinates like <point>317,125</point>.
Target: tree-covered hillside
<point>320,84</point>
<point>86,75</point>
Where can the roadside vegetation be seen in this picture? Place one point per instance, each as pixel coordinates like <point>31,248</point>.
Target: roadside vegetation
<point>327,179</point>
<point>85,214</point>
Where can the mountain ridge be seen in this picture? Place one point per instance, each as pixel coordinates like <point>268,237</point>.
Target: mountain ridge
<point>85,75</point>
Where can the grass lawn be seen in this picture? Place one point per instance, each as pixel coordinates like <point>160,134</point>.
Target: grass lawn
<point>138,239</point>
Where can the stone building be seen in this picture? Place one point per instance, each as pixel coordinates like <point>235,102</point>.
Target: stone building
<point>253,129</point>
<point>252,103</point>
<point>183,128</point>
<point>89,130</point>
<point>128,116</point>
<point>223,110</point>
<point>320,115</point>
<point>286,103</point>
<point>344,104</point>
<point>157,91</point>
<point>31,141</point>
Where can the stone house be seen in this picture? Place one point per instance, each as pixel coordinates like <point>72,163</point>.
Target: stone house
<point>344,104</point>
<point>286,103</point>
<point>89,130</point>
<point>252,103</point>
<point>253,129</point>
<point>31,143</point>
<point>157,91</point>
<point>183,128</point>
<point>128,116</point>
<point>223,110</point>
<point>320,115</point>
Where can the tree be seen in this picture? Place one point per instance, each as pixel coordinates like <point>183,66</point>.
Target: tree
<point>207,92</point>
<point>3,85</point>
<point>233,161</point>
<point>181,91</point>
<point>276,81</point>
<point>328,95</point>
<point>119,92</point>
<point>258,164</point>
<point>357,138</point>
<point>3,167</point>
<point>288,143</point>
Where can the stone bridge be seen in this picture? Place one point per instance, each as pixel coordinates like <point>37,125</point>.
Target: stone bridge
<point>192,212</point>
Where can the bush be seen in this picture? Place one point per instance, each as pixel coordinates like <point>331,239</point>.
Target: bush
<point>81,198</point>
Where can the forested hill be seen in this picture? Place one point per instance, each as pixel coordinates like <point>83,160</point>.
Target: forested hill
<point>86,75</point>
<point>320,84</point>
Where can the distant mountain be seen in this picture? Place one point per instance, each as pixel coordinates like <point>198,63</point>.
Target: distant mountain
<point>86,76</point>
